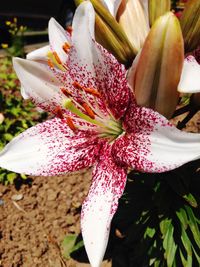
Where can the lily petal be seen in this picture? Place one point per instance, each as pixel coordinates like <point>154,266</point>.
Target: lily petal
<point>145,5</point>
<point>95,66</point>
<point>39,54</point>
<point>84,51</point>
<point>112,6</point>
<point>38,83</point>
<point>100,205</point>
<point>49,148</point>
<point>190,78</point>
<point>154,145</point>
<point>57,38</point>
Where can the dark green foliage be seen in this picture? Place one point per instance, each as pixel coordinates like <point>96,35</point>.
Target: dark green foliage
<point>159,220</point>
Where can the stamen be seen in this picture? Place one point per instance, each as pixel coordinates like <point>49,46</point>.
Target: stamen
<point>70,123</point>
<point>69,29</point>
<point>50,63</point>
<point>71,107</point>
<point>66,47</point>
<point>88,110</point>
<point>59,113</point>
<point>65,92</point>
<point>92,91</point>
<point>56,60</point>
<point>77,85</point>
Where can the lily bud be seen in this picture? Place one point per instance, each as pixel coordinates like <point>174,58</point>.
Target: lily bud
<point>190,24</point>
<point>110,34</point>
<point>158,8</point>
<point>159,66</point>
<point>131,16</point>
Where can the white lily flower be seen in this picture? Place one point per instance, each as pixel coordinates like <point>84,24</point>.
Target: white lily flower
<point>98,125</point>
<point>190,78</point>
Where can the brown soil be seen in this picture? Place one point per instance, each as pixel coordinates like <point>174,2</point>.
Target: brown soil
<point>33,228</point>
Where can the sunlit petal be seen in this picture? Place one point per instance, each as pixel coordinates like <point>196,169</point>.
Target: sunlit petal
<point>112,5</point>
<point>190,78</point>
<point>100,205</point>
<point>50,148</point>
<point>38,83</point>
<point>39,54</point>
<point>154,144</point>
<point>57,38</point>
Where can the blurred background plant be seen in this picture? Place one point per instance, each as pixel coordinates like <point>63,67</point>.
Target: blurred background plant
<point>16,115</point>
<point>16,48</point>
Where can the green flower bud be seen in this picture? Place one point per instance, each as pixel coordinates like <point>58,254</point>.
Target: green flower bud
<point>159,67</point>
<point>190,24</point>
<point>158,8</point>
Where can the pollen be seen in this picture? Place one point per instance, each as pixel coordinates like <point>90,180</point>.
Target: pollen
<point>69,30</point>
<point>70,123</point>
<point>50,63</point>
<point>92,91</point>
<point>77,85</point>
<point>89,111</point>
<point>57,58</point>
<point>59,113</point>
<point>65,92</point>
<point>66,47</point>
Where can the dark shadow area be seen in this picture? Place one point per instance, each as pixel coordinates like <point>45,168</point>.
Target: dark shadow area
<point>148,201</point>
<point>19,182</point>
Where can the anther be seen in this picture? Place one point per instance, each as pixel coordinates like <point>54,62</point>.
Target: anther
<point>69,29</point>
<point>77,85</point>
<point>70,123</point>
<point>57,58</point>
<point>91,91</point>
<point>65,92</point>
<point>59,113</point>
<point>89,111</point>
<point>50,63</point>
<point>66,47</point>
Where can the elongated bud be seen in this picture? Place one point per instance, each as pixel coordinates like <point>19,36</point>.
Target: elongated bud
<point>159,67</point>
<point>190,24</point>
<point>131,16</point>
<point>110,34</point>
<point>158,8</point>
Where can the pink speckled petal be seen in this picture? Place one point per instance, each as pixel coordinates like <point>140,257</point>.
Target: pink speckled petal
<point>112,6</point>
<point>153,144</point>
<point>190,78</point>
<point>57,38</point>
<point>92,66</point>
<point>50,148</point>
<point>100,205</point>
<point>38,83</point>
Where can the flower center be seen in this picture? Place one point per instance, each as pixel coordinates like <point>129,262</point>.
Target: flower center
<point>107,127</point>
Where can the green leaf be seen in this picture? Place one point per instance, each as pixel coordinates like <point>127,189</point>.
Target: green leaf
<point>187,245</point>
<point>182,215</point>
<point>69,245</point>
<point>191,200</point>
<point>170,246</point>
<point>193,225</point>
<point>11,177</point>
